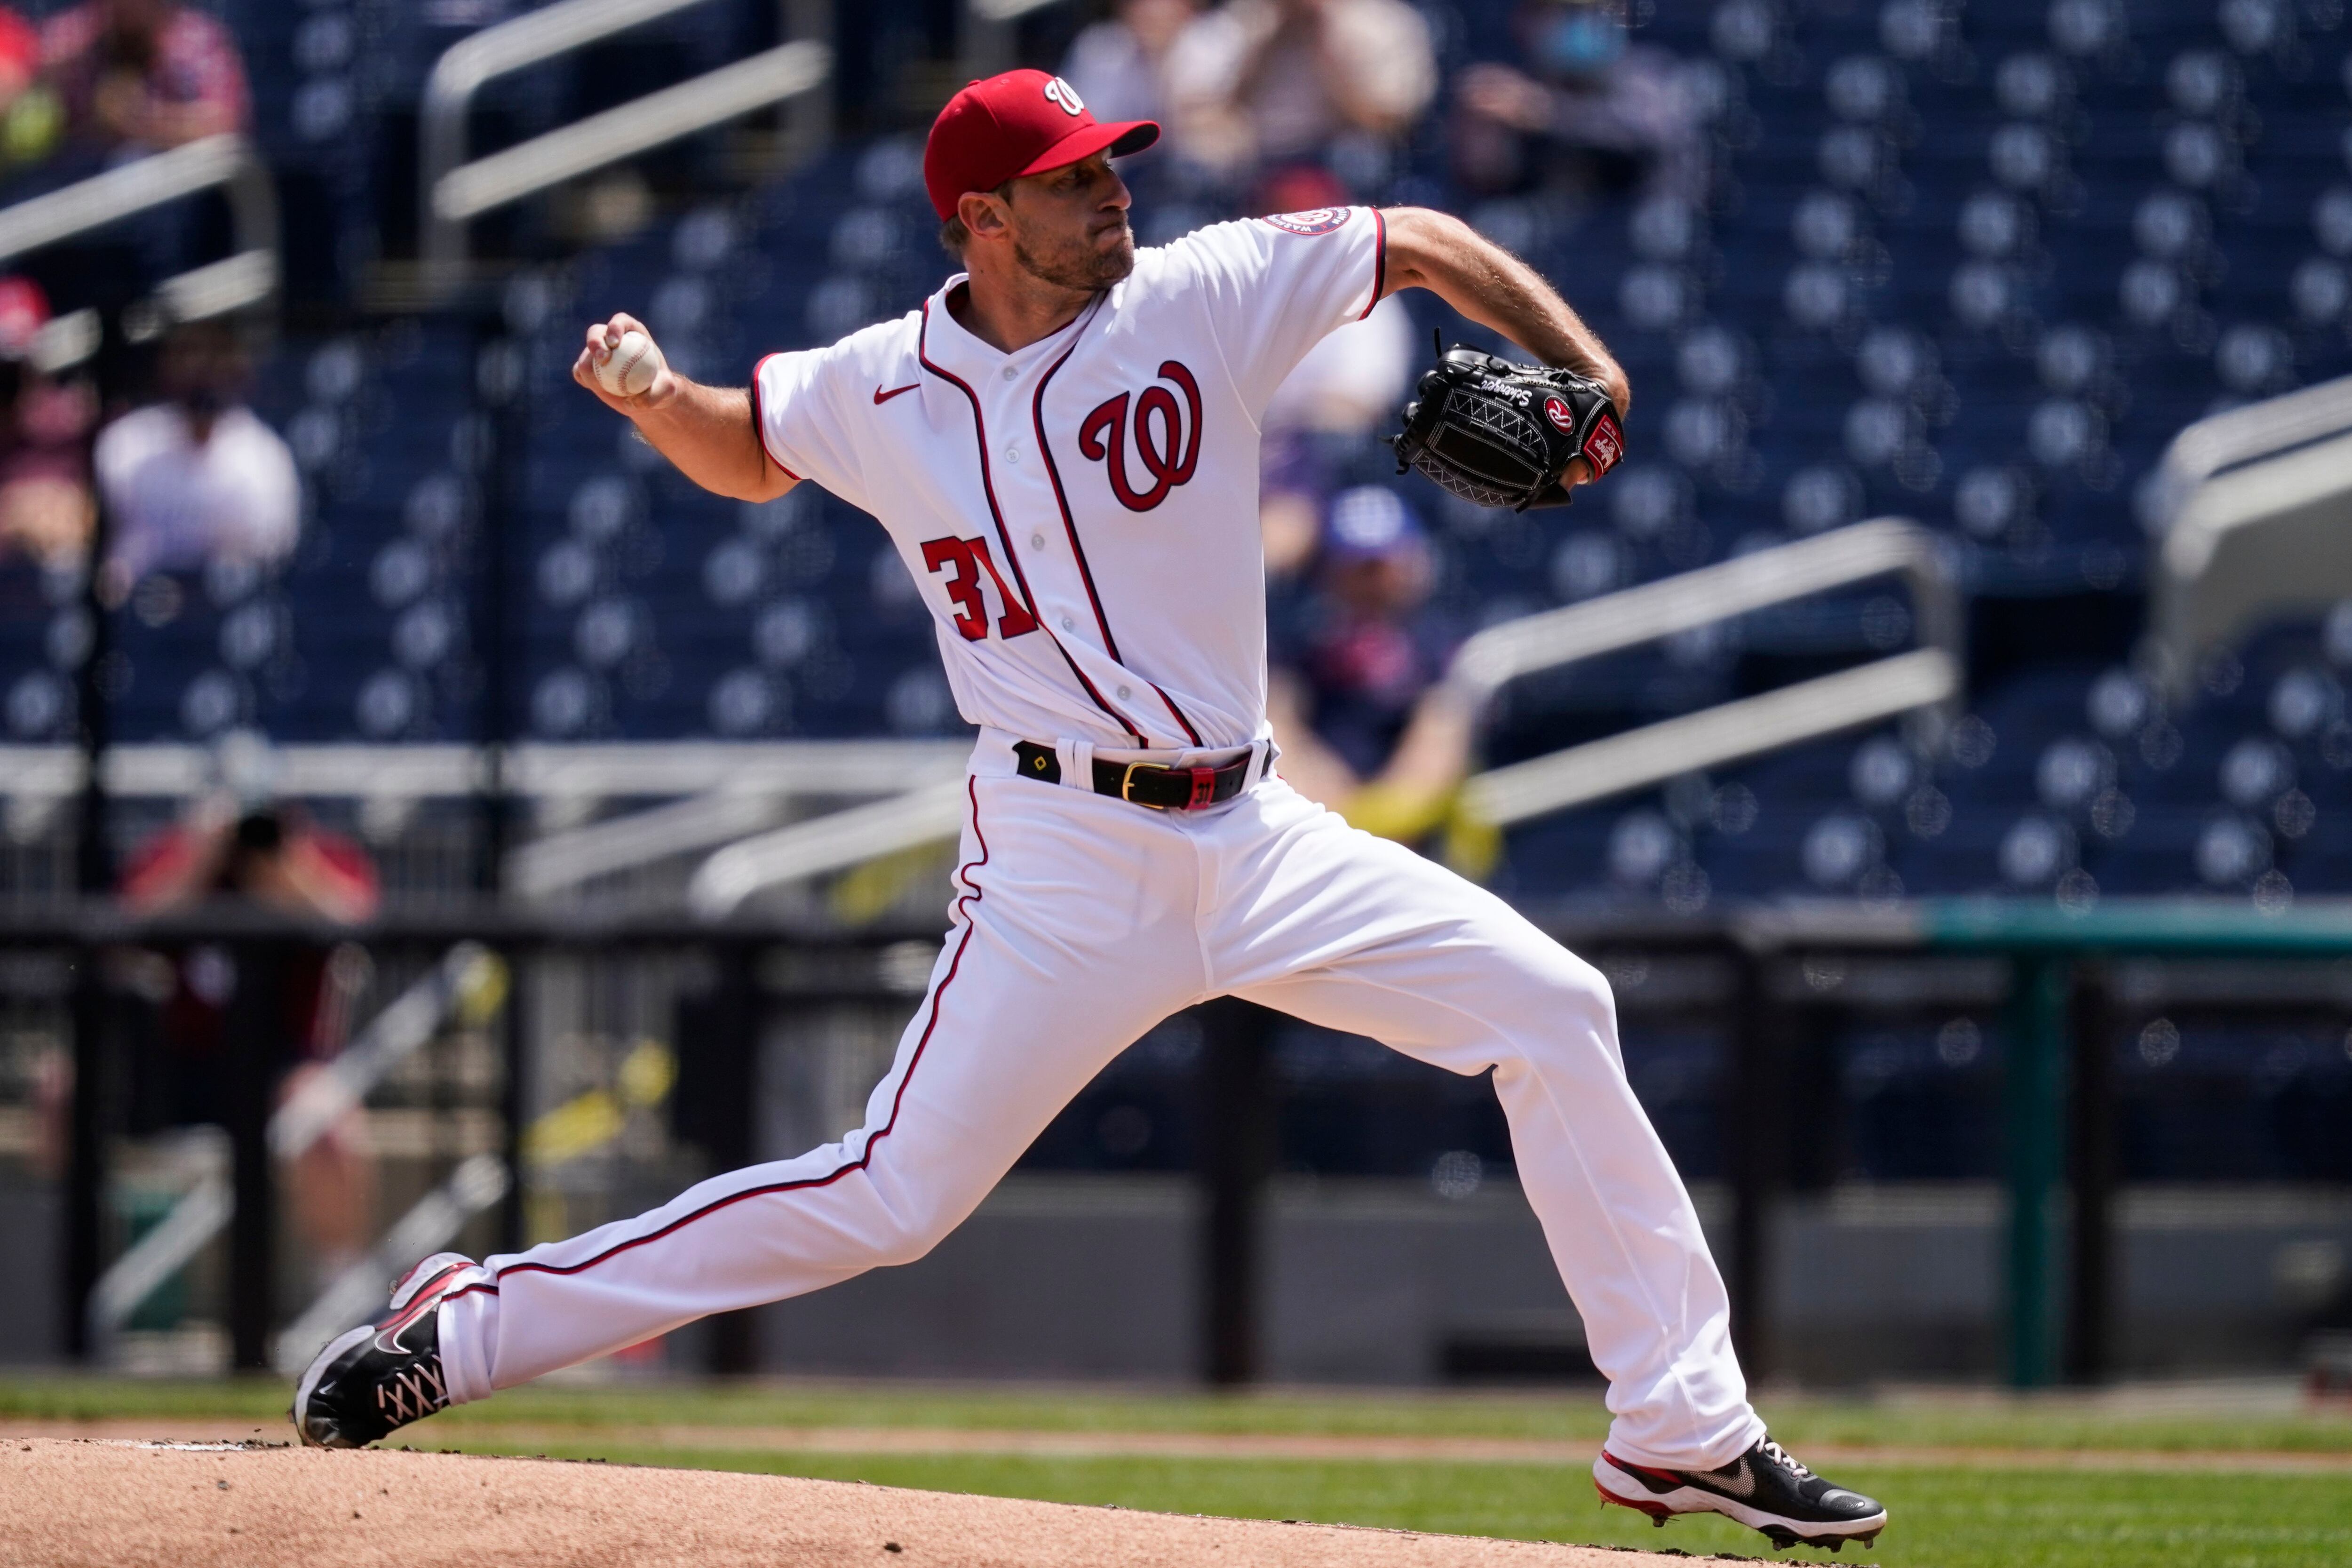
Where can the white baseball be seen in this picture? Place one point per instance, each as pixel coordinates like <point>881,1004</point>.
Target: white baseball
<point>631,367</point>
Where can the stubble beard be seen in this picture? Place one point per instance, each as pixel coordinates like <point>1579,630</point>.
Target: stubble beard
<point>1077,264</point>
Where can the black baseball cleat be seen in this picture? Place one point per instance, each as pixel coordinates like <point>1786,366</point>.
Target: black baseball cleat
<point>1765,1489</point>
<point>377,1379</point>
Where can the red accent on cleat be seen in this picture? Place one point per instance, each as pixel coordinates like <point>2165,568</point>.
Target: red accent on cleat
<point>1659,1512</point>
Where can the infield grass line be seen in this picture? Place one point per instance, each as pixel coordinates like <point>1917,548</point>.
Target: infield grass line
<point>1903,1420</point>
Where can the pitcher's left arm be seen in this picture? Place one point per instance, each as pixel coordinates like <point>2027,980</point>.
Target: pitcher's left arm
<point>1439,252</point>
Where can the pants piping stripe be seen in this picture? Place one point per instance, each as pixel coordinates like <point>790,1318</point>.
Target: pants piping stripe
<point>865,1157</point>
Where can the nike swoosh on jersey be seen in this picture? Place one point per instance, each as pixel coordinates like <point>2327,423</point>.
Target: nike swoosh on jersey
<point>881,397</point>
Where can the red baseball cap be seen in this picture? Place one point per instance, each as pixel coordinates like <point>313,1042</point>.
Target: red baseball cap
<point>1021,123</point>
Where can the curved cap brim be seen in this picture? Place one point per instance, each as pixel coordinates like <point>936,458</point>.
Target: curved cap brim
<point>1120,137</point>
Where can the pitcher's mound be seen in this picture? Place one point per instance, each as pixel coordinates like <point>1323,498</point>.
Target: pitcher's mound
<point>163,1505</point>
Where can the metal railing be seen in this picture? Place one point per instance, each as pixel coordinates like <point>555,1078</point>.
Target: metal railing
<point>610,770</point>
<point>1928,677</point>
<point>829,842</point>
<point>2213,445</point>
<point>2254,510</point>
<point>746,802</point>
<point>227,162</point>
<point>452,192</point>
<point>1779,984</point>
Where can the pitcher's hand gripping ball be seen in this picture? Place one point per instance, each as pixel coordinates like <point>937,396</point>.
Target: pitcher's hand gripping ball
<point>629,368</point>
<point>1499,434</point>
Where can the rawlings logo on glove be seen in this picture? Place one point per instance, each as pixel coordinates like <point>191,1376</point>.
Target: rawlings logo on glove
<point>1499,434</point>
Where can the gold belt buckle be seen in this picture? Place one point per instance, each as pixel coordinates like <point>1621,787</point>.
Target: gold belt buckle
<point>1127,787</point>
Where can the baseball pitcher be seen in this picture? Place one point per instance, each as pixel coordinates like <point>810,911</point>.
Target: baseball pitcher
<point>1063,443</point>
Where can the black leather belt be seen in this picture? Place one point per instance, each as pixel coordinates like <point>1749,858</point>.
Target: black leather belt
<point>1143,783</point>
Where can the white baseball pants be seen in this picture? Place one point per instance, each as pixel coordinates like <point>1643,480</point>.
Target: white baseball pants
<point>1080,923</point>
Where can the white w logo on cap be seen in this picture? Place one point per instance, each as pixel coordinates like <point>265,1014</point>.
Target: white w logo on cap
<point>1065,97</point>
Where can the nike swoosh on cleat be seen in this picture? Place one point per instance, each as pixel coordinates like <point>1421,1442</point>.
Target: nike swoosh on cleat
<point>881,397</point>
<point>1742,1481</point>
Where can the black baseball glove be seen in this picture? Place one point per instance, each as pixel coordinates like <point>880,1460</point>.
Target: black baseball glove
<point>1499,434</point>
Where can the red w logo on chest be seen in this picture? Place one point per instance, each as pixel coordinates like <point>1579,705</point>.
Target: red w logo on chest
<point>1167,440</point>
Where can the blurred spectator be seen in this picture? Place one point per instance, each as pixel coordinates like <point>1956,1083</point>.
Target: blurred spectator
<point>196,478</point>
<point>242,845</point>
<point>1355,702</point>
<point>1120,65</point>
<point>1294,486</point>
<point>45,507</point>
<point>1584,108</point>
<point>269,854</point>
<point>28,115</point>
<point>1259,83</point>
<point>143,74</point>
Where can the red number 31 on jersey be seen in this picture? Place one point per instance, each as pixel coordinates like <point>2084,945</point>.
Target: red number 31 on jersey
<point>969,566</point>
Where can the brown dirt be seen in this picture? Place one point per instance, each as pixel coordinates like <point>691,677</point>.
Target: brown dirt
<point>71,1502</point>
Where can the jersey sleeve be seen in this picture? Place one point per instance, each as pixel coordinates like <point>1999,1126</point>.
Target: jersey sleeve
<point>797,407</point>
<point>1275,287</point>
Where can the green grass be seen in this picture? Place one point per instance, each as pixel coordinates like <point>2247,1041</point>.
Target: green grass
<point>2058,1421</point>
<point>1944,1519</point>
<point>2021,1517</point>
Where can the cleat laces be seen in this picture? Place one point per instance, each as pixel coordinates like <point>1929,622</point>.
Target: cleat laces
<point>413,1393</point>
<point>1781,1456</point>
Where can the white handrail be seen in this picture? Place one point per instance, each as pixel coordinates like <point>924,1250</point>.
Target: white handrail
<point>1929,677</point>
<point>1693,599</point>
<point>2244,435</point>
<point>823,843</point>
<point>562,861</point>
<point>2251,506</point>
<point>217,288</point>
<point>594,769</point>
<point>445,208</point>
<point>476,60</point>
<point>1729,733</point>
<point>712,98</point>
<point>226,159</point>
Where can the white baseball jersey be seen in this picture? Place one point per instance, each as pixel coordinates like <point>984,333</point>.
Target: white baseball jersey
<point>1083,516</point>
<point>1081,513</point>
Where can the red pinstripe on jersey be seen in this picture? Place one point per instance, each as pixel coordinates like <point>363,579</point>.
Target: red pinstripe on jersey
<point>1380,261</point>
<point>1070,525</point>
<point>988,486</point>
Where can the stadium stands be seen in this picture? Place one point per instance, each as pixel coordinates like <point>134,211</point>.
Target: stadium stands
<point>1988,260</point>
<point>1970,264</point>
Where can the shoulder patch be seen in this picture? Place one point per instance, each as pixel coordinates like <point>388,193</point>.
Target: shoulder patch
<point>1318,220</point>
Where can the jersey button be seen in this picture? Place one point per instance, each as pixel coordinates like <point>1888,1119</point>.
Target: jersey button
<point>1068,624</point>
<point>1010,372</point>
<point>1124,693</point>
<point>1036,542</point>
<point>1013,453</point>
